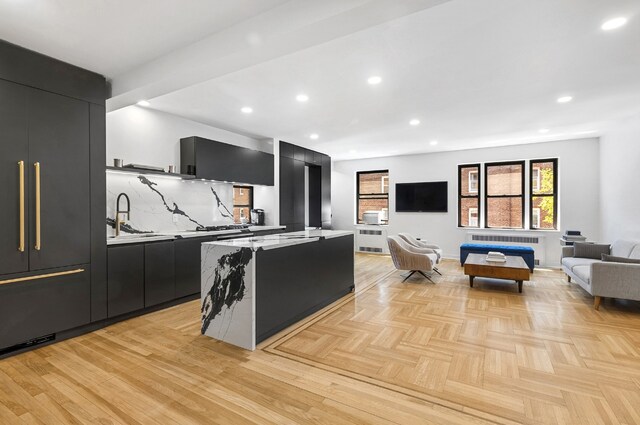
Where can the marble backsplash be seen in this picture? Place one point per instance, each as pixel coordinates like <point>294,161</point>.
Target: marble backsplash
<point>164,204</point>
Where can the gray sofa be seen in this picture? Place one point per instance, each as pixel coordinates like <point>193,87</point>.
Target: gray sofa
<point>606,279</point>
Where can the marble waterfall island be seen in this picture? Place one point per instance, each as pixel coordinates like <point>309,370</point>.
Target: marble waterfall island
<point>253,288</point>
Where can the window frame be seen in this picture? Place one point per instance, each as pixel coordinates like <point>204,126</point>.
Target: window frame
<point>522,195</point>
<point>375,195</point>
<point>250,205</point>
<point>532,162</point>
<point>476,194</point>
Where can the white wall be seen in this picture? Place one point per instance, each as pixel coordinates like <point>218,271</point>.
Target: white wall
<point>145,136</point>
<point>619,193</point>
<point>578,190</point>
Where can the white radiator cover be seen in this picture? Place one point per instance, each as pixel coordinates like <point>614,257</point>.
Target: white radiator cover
<point>537,242</point>
<point>371,239</point>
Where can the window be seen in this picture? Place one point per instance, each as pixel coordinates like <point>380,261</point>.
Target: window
<point>544,199</point>
<point>473,181</point>
<point>535,178</point>
<point>373,193</point>
<point>468,198</point>
<point>473,217</point>
<point>242,203</point>
<point>504,195</point>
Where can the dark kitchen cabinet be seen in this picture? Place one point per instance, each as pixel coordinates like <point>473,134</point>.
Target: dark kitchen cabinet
<point>48,148</point>
<point>212,160</point>
<point>52,190</point>
<point>125,279</point>
<point>40,307</point>
<point>14,156</point>
<point>286,149</point>
<point>187,253</point>
<point>292,187</point>
<point>159,273</point>
<point>58,135</point>
<point>299,153</point>
<point>286,190</point>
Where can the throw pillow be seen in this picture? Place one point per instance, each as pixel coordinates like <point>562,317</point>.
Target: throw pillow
<point>590,250</point>
<point>612,259</point>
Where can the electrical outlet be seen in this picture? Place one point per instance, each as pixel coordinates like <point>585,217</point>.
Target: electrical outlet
<point>175,218</point>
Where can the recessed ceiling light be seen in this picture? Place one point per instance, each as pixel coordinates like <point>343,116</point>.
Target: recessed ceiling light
<point>613,24</point>
<point>565,99</point>
<point>543,130</point>
<point>414,122</point>
<point>143,103</point>
<point>302,97</point>
<point>353,151</point>
<point>247,110</point>
<point>374,80</point>
<point>314,136</point>
<point>433,142</point>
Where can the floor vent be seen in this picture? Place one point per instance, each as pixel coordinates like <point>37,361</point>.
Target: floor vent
<point>506,238</point>
<point>370,232</point>
<point>31,343</point>
<point>369,249</point>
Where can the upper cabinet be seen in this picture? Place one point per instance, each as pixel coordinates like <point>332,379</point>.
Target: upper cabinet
<point>212,160</point>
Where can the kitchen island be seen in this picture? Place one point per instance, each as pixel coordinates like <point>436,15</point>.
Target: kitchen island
<point>253,288</point>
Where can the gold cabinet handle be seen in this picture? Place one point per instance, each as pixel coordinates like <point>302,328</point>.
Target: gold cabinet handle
<point>21,205</point>
<point>41,276</point>
<point>36,165</point>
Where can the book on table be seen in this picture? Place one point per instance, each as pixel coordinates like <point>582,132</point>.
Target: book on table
<point>496,257</point>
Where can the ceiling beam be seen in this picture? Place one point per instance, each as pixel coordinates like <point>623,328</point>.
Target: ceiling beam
<point>284,30</point>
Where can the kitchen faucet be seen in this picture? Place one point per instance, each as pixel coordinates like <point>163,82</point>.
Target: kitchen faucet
<point>119,221</point>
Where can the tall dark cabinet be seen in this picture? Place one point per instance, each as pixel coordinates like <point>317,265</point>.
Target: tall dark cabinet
<point>52,143</point>
<point>293,160</point>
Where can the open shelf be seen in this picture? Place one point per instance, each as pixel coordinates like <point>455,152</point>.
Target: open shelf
<point>151,172</point>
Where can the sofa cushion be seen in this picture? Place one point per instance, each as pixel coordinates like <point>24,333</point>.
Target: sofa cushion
<point>571,262</point>
<point>590,250</point>
<point>635,254</point>
<point>583,272</point>
<point>623,248</point>
<point>612,259</point>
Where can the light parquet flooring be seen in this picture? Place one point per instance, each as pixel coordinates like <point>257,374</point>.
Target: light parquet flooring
<point>393,353</point>
<point>541,357</point>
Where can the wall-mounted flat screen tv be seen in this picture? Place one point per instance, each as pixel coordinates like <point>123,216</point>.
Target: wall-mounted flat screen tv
<point>422,197</point>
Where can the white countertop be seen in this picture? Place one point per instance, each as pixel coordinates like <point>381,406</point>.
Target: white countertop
<point>281,240</point>
<point>165,236</point>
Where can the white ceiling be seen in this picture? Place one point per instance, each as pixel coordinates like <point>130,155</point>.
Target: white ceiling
<point>475,72</point>
<point>112,36</point>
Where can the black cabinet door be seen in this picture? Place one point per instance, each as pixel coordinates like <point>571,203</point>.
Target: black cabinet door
<point>59,142</point>
<point>299,153</point>
<point>286,189</point>
<point>298,192</point>
<point>40,307</point>
<point>13,150</point>
<point>125,279</point>
<point>159,273</point>
<point>286,149</point>
<point>188,266</point>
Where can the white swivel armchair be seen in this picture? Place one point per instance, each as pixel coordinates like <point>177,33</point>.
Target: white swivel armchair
<point>411,258</point>
<point>435,249</point>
